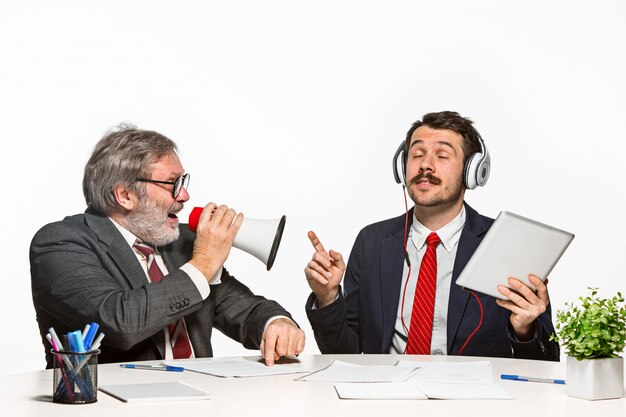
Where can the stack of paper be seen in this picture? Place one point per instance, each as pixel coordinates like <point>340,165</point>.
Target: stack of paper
<point>412,380</point>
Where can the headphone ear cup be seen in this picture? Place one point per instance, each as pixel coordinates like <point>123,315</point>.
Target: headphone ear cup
<point>399,158</point>
<point>404,158</point>
<point>470,177</point>
<point>483,170</point>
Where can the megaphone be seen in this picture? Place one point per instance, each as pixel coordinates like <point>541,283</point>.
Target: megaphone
<point>259,238</point>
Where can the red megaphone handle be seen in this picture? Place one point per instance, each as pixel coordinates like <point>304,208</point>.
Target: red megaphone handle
<point>194,218</point>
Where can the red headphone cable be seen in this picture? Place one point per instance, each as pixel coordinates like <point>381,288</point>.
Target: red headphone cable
<point>408,262</point>
<point>480,323</point>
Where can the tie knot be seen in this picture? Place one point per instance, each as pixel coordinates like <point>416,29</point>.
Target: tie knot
<point>144,248</point>
<point>433,239</point>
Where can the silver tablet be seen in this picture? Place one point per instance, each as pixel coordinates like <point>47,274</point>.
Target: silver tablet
<point>515,247</point>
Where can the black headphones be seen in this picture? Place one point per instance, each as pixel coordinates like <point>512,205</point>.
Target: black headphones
<point>475,172</point>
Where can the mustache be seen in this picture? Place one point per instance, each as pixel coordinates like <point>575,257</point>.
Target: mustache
<point>175,208</point>
<point>430,177</point>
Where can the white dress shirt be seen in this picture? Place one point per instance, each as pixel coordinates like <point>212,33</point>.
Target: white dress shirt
<point>446,254</point>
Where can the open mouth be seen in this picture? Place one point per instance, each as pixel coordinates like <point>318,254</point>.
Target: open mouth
<point>172,215</point>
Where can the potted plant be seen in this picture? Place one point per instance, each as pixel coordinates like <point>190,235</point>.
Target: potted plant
<point>593,335</point>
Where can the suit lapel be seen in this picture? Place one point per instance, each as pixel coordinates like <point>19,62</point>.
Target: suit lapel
<point>391,269</point>
<point>471,236</point>
<point>118,248</point>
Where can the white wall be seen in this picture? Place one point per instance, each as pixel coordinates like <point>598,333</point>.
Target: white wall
<point>296,108</point>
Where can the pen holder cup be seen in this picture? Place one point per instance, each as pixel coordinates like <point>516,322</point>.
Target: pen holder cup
<point>75,377</point>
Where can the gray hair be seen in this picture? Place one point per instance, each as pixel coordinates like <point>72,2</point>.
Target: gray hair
<point>123,154</point>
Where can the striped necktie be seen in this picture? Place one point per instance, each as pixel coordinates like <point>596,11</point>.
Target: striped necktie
<point>181,347</point>
<point>421,328</point>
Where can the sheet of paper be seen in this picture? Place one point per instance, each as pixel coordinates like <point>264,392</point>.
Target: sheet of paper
<point>447,391</point>
<point>477,372</point>
<point>383,391</point>
<point>339,371</point>
<point>235,367</point>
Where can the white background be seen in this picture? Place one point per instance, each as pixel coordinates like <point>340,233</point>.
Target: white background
<point>296,108</point>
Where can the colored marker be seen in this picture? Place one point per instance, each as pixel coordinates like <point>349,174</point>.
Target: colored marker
<point>66,382</point>
<point>85,330</point>
<point>78,340</point>
<point>532,379</point>
<point>91,333</point>
<point>57,341</point>
<point>59,357</point>
<point>95,346</point>
<point>71,342</point>
<point>96,343</point>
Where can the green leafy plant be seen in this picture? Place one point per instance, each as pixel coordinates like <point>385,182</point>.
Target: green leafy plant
<point>595,329</point>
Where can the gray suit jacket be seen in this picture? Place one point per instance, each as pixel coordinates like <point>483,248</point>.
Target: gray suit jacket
<point>82,270</point>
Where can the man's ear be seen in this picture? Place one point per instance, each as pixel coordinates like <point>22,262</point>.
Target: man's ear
<point>125,197</point>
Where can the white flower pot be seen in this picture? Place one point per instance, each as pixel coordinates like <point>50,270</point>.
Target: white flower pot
<point>595,379</point>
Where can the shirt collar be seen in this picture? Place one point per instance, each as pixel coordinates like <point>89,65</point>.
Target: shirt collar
<point>449,234</point>
<point>128,236</point>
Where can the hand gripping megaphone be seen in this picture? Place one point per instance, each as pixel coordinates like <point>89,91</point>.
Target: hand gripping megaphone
<point>259,238</point>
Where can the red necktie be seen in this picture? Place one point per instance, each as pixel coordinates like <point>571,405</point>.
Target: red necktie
<point>421,328</point>
<point>181,348</point>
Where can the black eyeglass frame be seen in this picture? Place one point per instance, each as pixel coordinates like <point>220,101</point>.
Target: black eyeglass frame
<point>180,183</point>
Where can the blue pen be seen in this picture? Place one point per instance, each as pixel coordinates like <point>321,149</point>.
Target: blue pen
<point>91,333</point>
<point>153,367</point>
<point>532,379</point>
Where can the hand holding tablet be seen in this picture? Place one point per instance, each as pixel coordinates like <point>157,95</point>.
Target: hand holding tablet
<point>514,246</point>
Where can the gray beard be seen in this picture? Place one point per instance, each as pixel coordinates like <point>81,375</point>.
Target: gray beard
<point>142,224</point>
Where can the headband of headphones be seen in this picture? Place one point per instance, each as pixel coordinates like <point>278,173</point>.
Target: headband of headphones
<point>475,172</point>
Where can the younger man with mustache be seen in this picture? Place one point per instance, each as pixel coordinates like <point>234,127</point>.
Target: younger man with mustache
<point>383,309</point>
<point>156,289</point>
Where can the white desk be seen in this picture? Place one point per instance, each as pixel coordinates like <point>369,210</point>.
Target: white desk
<point>31,395</point>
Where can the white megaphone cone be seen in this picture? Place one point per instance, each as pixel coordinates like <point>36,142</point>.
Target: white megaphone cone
<point>259,238</point>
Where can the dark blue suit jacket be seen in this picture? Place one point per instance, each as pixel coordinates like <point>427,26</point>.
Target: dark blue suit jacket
<point>363,320</point>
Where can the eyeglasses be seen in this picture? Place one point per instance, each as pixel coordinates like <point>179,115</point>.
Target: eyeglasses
<point>180,183</point>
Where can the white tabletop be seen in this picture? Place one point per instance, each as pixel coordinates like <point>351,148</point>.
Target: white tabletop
<point>30,394</point>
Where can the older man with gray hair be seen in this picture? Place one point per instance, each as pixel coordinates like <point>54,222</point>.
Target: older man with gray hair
<point>156,289</point>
